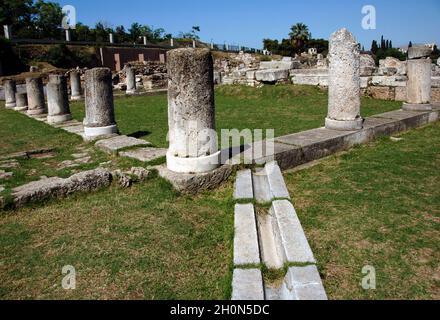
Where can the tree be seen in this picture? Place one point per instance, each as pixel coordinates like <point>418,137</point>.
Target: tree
<point>410,44</point>
<point>120,34</point>
<point>194,31</point>
<point>83,33</point>
<point>382,43</point>
<point>48,19</point>
<point>374,47</point>
<point>18,14</point>
<point>135,31</point>
<point>102,31</point>
<point>299,35</point>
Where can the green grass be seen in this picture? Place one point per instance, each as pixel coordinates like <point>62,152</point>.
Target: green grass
<point>285,108</point>
<point>146,242</point>
<point>149,242</point>
<point>377,205</point>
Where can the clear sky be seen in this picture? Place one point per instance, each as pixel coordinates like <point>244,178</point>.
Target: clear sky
<point>247,22</point>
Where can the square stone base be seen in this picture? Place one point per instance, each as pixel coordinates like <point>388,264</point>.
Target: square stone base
<point>194,183</point>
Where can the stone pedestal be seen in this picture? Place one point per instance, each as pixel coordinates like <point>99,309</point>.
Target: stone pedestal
<point>418,88</point>
<point>35,93</point>
<point>21,102</point>
<point>191,112</point>
<point>10,91</point>
<point>130,79</point>
<point>57,100</point>
<point>100,115</point>
<point>75,86</point>
<point>344,83</point>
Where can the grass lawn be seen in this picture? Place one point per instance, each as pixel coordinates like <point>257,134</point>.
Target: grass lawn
<point>149,242</point>
<point>377,205</point>
<point>285,108</point>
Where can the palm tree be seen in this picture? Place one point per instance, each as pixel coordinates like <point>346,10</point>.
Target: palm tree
<point>299,35</point>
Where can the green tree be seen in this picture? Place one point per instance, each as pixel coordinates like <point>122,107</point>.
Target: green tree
<point>299,35</point>
<point>135,31</point>
<point>121,35</point>
<point>18,14</point>
<point>48,18</point>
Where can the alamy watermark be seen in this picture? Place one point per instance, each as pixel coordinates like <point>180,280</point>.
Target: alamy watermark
<point>369,280</point>
<point>69,280</point>
<point>369,19</point>
<point>69,18</point>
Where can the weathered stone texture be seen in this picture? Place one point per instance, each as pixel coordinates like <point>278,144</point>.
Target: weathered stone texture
<point>419,81</point>
<point>57,99</point>
<point>35,93</point>
<point>99,98</point>
<point>10,88</point>
<point>55,187</point>
<point>191,109</point>
<point>344,78</point>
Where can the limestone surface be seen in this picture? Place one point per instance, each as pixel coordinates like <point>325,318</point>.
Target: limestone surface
<point>113,145</point>
<point>55,187</point>
<point>417,52</point>
<point>246,249</point>
<point>35,93</point>
<point>145,154</point>
<point>21,102</point>
<point>58,100</point>
<point>272,75</point>
<point>247,284</point>
<point>191,109</point>
<point>99,99</point>
<point>344,82</point>
<point>243,185</point>
<point>419,81</point>
<point>10,88</point>
<point>75,85</point>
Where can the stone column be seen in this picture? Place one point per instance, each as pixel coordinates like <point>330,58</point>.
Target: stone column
<point>75,85</point>
<point>35,93</point>
<point>21,101</point>
<point>418,87</point>
<point>7,31</point>
<point>57,100</point>
<point>111,39</point>
<point>67,35</point>
<point>130,79</point>
<point>100,114</point>
<point>172,42</point>
<point>344,94</point>
<point>10,88</point>
<point>191,112</point>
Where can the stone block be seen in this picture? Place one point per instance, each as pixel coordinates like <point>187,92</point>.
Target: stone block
<point>291,234</point>
<point>193,183</point>
<point>246,249</point>
<point>278,188</point>
<point>113,145</point>
<point>417,52</point>
<point>243,185</point>
<point>144,154</point>
<point>272,75</point>
<point>247,284</point>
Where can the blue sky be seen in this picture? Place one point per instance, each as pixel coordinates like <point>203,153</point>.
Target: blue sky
<point>247,22</point>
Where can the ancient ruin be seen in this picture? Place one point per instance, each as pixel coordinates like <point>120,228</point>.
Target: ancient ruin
<point>75,85</point>
<point>10,91</point>
<point>344,102</point>
<point>35,93</point>
<point>100,114</point>
<point>58,100</point>
<point>191,112</point>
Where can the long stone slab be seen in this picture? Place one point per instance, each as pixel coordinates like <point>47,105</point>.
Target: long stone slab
<point>278,188</point>
<point>243,185</point>
<point>247,284</point>
<point>291,234</point>
<point>115,144</point>
<point>144,154</point>
<point>261,186</point>
<point>246,250</point>
<point>55,187</point>
<point>300,283</point>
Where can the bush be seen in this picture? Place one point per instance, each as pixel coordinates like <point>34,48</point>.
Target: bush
<point>390,52</point>
<point>61,56</point>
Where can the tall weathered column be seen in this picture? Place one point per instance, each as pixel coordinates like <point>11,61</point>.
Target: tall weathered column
<point>75,85</point>
<point>10,88</point>
<point>130,79</point>
<point>191,112</point>
<point>35,93</point>
<point>344,83</point>
<point>21,102</point>
<point>100,114</point>
<point>57,99</point>
<point>418,88</point>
